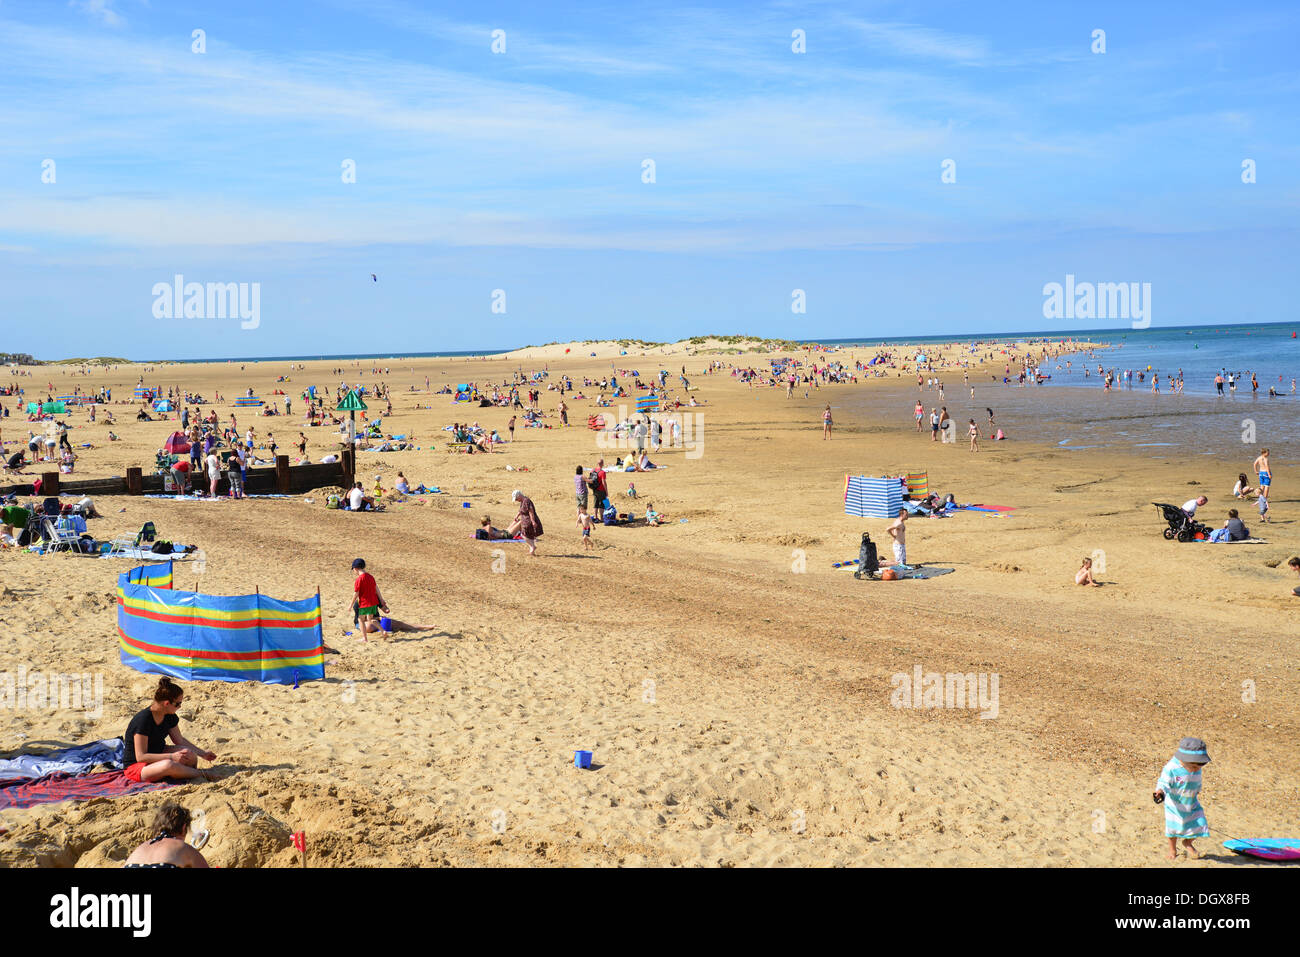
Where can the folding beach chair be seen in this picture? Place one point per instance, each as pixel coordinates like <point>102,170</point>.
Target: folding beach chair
<point>60,538</point>
<point>123,544</point>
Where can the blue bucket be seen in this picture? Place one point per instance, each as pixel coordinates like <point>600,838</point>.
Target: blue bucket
<point>386,624</point>
<point>582,759</point>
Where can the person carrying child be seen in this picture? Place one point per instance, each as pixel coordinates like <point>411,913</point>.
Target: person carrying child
<point>1179,789</point>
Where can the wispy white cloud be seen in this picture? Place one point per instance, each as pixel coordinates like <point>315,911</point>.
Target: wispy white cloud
<point>101,10</point>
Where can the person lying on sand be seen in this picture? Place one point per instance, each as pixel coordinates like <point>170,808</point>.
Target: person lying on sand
<point>148,756</point>
<point>1084,575</point>
<point>167,848</point>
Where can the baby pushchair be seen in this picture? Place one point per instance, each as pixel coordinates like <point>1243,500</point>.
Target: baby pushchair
<point>1181,525</point>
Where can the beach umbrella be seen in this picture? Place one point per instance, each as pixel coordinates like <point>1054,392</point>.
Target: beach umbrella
<point>176,444</point>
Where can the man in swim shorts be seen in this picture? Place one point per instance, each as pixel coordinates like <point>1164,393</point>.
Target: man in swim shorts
<point>1265,475</point>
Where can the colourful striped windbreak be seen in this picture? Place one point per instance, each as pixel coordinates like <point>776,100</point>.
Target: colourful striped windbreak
<point>195,637</point>
<point>155,576</point>
<point>647,403</point>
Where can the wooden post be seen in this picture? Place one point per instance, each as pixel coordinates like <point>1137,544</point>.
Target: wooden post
<point>49,483</point>
<point>282,474</point>
<point>348,459</point>
<point>134,481</point>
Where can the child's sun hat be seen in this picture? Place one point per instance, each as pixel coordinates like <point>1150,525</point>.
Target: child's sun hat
<point>1192,751</point>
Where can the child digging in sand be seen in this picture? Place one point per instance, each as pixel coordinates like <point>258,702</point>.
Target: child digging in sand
<point>1179,789</point>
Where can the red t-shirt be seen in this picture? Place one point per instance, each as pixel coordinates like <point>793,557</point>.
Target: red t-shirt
<point>367,591</point>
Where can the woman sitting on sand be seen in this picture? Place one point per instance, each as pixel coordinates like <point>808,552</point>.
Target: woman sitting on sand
<point>148,755</point>
<point>167,848</point>
<point>1084,575</point>
<point>644,464</point>
<point>1243,488</point>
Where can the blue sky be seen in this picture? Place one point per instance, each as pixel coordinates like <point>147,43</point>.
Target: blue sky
<point>522,170</point>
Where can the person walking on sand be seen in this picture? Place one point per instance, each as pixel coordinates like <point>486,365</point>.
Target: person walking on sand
<point>511,426</point>
<point>366,600</point>
<point>580,490</point>
<point>147,756</point>
<point>919,412</point>
<point>584,523</point>
<point>898,532</point>
<point>1265,474</point>
<point>526,523</point>
<point>826,423</point>
<point>167,848</point>
<point>974,436</point>
<point>934,425</point>
<point>1179,789</point>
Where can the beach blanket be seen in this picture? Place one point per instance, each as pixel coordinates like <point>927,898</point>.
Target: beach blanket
<point>1240,541</point>
<point>75,760</point>
<point>916,571</point>
<point>144,555</point>
<point>494,541</point>
<point>919,571</point>
<point>60,786</point>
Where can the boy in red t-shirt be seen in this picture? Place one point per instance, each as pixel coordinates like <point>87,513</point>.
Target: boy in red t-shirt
<point>367,601</point>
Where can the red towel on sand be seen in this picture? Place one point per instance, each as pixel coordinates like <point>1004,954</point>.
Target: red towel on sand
<point>61,786</point>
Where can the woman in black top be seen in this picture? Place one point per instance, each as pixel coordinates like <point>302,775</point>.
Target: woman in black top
<point>148,755</point>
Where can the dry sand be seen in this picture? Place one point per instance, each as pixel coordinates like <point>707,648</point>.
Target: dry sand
<point>737,699</point>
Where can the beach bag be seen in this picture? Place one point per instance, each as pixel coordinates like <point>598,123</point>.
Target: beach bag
<point>609,516</point>
<point>332,501</point>
<point>481,534</point>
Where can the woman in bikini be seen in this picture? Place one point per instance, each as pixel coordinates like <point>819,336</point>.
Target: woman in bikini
<point>167,848</point>
<point>148,755</point>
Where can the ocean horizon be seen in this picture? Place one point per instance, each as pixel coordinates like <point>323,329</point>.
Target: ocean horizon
<point>1110,336</point>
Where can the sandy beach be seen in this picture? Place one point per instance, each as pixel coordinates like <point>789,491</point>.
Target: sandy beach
<point>734,687</point>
